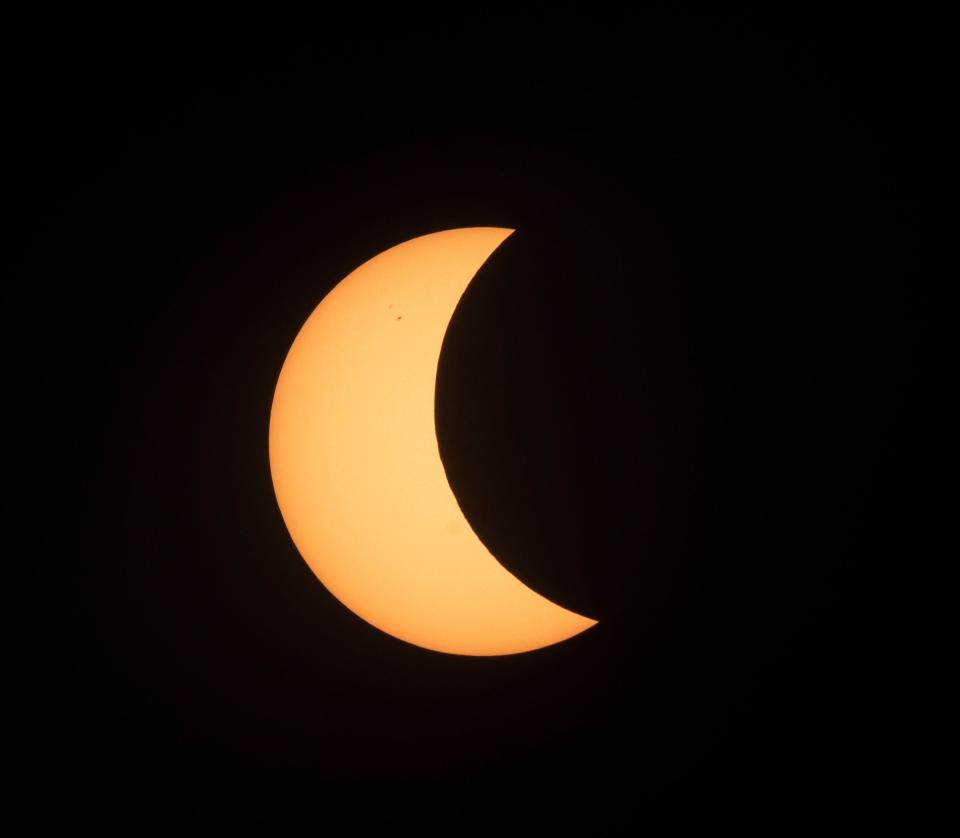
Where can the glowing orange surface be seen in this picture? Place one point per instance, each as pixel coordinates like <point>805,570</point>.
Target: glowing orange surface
<point>357,470</point>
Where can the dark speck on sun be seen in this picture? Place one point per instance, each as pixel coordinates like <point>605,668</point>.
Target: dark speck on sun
<point>399,317</point>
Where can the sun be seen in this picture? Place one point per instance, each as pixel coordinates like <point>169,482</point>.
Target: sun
<point>357,469</point>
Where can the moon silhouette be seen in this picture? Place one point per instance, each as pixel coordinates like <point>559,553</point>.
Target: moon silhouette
<point>356,466</point>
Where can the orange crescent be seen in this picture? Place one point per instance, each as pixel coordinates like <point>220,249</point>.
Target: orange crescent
<point>357,469</point>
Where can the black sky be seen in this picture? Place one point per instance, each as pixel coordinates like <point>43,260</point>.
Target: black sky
<point>678,399</point>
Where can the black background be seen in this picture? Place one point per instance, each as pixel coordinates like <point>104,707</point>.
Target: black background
<point>676,399</point>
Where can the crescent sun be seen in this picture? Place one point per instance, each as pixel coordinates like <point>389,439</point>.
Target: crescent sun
<point>356,466</point>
